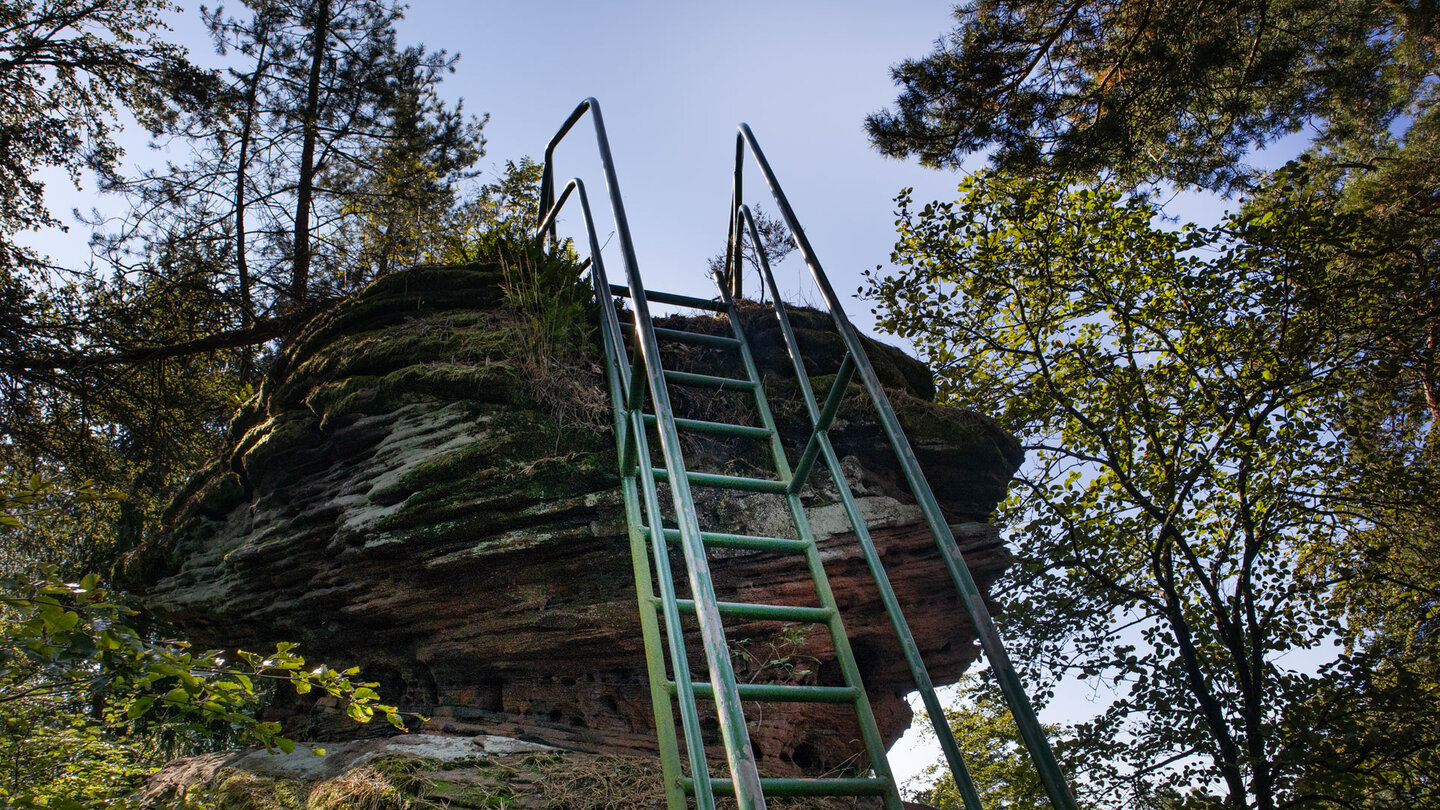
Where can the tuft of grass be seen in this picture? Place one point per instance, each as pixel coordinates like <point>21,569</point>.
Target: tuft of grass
<point>606,782</point>
<point>388,783</point>
<point>243,790</point>
<point>554,335</point>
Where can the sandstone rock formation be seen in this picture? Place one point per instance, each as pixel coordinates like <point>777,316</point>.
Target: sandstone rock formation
<point>415,490</point>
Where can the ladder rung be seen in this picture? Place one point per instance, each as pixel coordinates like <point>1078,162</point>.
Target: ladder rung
<point>708,381</point>
<point>772,786</point>
<point>746,542</point>
<point>701,426</point>
<point>728,482</point>
<point>752,610</point>
<point>779,692</point>
<point>696,338</point>
<point>672,298</point>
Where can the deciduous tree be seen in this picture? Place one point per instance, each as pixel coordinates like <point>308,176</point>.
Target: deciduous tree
<point>90,705</point>
<point>995,755</point>
<point>1183,397</point>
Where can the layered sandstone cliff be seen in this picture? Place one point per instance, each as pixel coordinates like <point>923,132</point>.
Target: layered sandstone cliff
<point>414,491</point>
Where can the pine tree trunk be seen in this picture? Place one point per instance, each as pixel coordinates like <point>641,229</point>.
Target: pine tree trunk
<point>300,277</point>
<point>242,264</point>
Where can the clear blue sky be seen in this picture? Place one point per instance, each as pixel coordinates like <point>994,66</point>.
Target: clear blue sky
<point>673,79</point>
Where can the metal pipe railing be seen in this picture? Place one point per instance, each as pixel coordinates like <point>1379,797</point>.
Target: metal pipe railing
<point>819,444</point>
<point>627,425</point>
<point>738,751</point>
<point>633,443</point>
<point>1029,726</point>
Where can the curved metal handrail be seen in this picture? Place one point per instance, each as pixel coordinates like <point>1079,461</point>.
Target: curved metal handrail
<point>1029,726</point>
<point>623,388</point>
<point>738,750</point>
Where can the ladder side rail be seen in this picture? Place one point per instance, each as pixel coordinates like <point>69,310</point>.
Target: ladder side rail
<point>821,425</point>
<point>669,606</point>
<point>628,423</point>
<point>738,751</point>
<point>660,699</point>
<point>819,419</point>
<point>1010,686</point>
<point>819,443</point>
<point>845,656</point>
<point>752,373</point>
<point>850,671</point>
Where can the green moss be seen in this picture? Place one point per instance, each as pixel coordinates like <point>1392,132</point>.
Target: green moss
<point>222,492</point>
<point>453,336</point>
<point>448,382</point>
<point>394,299</point>
<point>283,434</point>
<point>251,413</point>
<point>352,395</point>
<point>480,787</point>
<point>475,337</point>
<point>497,383</point>
<point>465,467</point>
<point>243,790</point>
<point>389,783</point>
<point>192,485</point>
<point>395,782</point>
<point>519,452</point>
<point>507,522</point>
<point>532,782</point>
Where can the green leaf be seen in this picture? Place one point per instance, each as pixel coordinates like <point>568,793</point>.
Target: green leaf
<point>139,707</point>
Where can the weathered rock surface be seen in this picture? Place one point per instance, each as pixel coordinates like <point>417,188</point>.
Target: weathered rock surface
<point>411,771</point>
<point>415,492</point>
<point>420,771</point>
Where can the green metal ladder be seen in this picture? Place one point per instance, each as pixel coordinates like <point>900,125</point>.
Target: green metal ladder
<point>636,377</point>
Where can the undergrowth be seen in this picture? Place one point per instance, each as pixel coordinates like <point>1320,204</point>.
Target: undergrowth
<point>554,334</point>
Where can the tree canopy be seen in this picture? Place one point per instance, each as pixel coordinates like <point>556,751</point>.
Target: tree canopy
<point>1181,401</point>
<point>1144,91</point>
<point>67,68</point>
<point>321,158</point>
<point>291,185</point>
<point>1233,431</point>
<point>1193,479</point>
